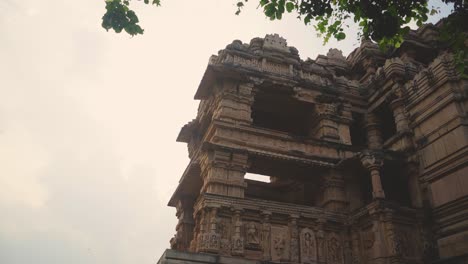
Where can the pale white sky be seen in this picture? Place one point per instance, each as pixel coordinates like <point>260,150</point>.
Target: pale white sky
<point>88,122</point>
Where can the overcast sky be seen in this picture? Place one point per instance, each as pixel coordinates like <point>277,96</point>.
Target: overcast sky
<point>89,118</point>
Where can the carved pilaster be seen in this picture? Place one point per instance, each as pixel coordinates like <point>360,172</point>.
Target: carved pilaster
<point>334,196</point>
<point>223,173</point>
<point>266,232</point>
<point>234,103</point>
<point>374,163</point>
<point>185,226</point>
<point>378,250</point>
<point>211,239</point>
<point>202,233</point>
<point>237,246</point>
<point>355,247</point>
<point>400,115</point>
<point>321,241</point>
<point>294,236</point>
<point>326,127</point>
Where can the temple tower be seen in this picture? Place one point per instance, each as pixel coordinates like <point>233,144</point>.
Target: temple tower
<point>364,159</point>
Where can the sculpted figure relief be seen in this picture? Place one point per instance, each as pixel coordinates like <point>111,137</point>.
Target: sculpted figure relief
<point>252,234</point>
<point>308,246</point>
<point>237,245</point>
<point>279,244</point>
<point>334,250</point>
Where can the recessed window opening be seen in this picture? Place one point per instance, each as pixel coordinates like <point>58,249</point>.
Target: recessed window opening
<point>395,183</point>
<point>282,181</point>
<point>357,131</point>
<point>387,121</point>
<point>280,111</point>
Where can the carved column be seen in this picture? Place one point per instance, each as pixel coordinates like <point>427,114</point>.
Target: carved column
<point>266,230</point>
<point>334,196</point>
<point>223,173</point>
<point>294,233</point>
<point>374,164</point>
<point>234,103</point>
<point>374,135</point>
<point>185,226</point>
<point>237,246</point>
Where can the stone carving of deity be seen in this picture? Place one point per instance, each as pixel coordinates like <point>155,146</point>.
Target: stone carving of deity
<point>252,234</point>
<point>334,250</point>
<point>308,246</point>
<point>279,245</point>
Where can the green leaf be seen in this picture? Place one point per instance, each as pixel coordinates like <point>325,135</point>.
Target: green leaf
<point>290,6</point>
<point>340,36</point>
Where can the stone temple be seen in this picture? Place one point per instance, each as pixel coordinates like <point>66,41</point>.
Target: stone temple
<point>365,157</point>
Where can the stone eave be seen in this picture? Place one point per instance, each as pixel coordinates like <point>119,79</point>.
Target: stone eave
<point>186,131</point>
<point>184,188</point>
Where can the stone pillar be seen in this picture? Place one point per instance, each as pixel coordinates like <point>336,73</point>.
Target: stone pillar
<point>374,164</point>
<point>399,114</point>
<point>374,135</point>
<point>185,226</point>
<point>326,127</point>
<point>334,196</point>
<point>234,103</point>
<point>294,233</point>
<point>223,173</point>
<point>266,233</point>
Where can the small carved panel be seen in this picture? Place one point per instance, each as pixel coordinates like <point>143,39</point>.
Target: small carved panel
<point>237,245</point>
<point>334,249</point>
<point>406,242</point>
<point>308,246</point>
<point>279,243</point>
<point>252,235</point>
